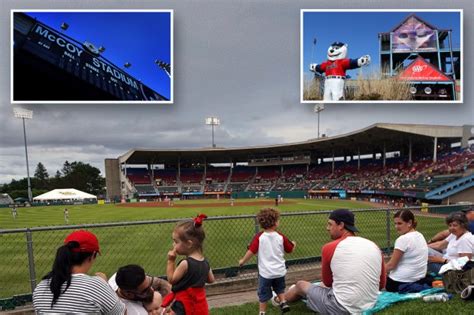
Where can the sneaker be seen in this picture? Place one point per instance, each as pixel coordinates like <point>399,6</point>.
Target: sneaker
<point>275,300</point>
<point>285,308</point>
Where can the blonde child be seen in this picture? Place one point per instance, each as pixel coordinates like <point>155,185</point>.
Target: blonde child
<point>271,246</point>
<point>190,275</point>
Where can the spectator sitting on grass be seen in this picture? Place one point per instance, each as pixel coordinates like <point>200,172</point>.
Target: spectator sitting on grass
<point>352,269</point>
<point>458,244</point>
<point>68,288</point>
<point>407,265</point>
<point>141,294</point>
<point>445,233</point>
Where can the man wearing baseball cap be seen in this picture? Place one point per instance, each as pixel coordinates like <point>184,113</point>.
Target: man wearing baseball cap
<point>352,270</point>
<point>445,233</point>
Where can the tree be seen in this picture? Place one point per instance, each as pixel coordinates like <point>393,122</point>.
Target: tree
<point>78,175</point>
<point>41,173</point>
<point>67,168</point>
<point>84,177</point>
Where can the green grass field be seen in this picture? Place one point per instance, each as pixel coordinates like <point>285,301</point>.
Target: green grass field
<point>148,244</point>
<point>456,306</point>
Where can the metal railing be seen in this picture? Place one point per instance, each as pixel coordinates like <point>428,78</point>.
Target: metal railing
<point>26,255</point>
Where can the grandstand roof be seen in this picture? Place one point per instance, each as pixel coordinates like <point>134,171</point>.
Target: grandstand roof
<point>371,139</point>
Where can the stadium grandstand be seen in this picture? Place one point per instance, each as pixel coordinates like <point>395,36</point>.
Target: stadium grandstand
<point>409,163</point>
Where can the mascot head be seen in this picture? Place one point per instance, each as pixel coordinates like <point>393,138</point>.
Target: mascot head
<point>337,50</point>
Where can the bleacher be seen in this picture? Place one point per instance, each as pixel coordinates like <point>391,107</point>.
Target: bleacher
<point>165,177</point>
<point>422,175</point>
<point>145,190</point>
<point>191,176</point>
<point>138,175</point>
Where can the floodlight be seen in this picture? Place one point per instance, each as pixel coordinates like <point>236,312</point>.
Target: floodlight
<point>22,113</point>
<point>213,121</point>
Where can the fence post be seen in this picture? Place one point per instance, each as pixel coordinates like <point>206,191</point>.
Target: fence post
<point>257,226</point>
<point>387,212</point>
<point>31,260</point>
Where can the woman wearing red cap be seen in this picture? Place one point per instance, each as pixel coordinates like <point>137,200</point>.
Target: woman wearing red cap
<point>68,288</point>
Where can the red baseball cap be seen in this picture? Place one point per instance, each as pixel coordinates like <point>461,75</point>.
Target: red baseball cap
<point>88,242</point>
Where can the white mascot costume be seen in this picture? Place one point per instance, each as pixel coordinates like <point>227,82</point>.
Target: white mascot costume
<point>335,70</point>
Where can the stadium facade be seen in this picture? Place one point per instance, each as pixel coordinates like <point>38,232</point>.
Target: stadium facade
<point>48,65</point>
<point>155,173</point>
<point>423,55</point>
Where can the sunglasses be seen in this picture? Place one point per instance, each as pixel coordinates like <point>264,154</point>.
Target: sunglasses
<point>145,292</point>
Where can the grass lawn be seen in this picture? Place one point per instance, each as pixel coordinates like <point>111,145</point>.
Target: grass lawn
<point>456,306</point>
<point>148,244</point>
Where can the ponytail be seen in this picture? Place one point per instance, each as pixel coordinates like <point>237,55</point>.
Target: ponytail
<point>62,268</point>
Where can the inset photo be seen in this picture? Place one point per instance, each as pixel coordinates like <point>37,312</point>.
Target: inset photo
<point>91,56</point>
<point>381,56</point>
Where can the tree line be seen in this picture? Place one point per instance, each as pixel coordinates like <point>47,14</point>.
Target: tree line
<point>77,175</point>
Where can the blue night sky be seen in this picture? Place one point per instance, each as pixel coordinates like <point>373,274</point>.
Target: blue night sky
<point>135,37</point>
<point>360,31</point>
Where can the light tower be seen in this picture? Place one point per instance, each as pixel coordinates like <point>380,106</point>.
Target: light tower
<point>25,114</point>
<point>318,108</point>
<point>213,121</point>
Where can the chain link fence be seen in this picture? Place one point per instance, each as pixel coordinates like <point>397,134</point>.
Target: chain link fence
<point>26,255</point>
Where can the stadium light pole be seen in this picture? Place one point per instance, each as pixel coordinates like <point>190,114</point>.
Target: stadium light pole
<point>25,114</point>
<point>213,121</point>
<point>164,66</point>
<point>318,108</point>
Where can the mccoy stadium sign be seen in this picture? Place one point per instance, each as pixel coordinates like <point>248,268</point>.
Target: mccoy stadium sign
<point>49,40</point>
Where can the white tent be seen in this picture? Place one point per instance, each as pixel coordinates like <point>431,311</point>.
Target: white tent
<point>64,195</point>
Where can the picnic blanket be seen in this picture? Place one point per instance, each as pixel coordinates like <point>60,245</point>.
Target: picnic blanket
<point>386,299</point>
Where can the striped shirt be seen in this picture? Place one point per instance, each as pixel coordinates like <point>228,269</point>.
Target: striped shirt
<point>86,294</point>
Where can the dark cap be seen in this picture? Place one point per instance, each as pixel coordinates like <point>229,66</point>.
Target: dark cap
<point>468,209</point>
<point>346,216</point>
<point>88,242</point>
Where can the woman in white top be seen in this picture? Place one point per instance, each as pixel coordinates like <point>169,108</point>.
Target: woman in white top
<point>458,244</point>
<point>410,255</point>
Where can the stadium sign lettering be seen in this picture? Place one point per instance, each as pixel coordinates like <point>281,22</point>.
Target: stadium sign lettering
<point>115,73</point>
<point>61,42</point>
<point>57,44</point>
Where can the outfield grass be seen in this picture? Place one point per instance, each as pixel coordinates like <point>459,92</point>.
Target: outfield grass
<point>148,244</point>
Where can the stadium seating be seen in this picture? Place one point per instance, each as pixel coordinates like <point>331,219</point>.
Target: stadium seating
<point>422,175</point>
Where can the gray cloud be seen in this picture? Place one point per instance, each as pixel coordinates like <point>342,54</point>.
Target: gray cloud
<point>235,59</point>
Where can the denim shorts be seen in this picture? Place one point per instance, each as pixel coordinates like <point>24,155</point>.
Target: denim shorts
<point>265,287</point>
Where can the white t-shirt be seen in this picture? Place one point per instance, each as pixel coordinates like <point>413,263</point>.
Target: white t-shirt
<point>356,270</point>
<point>413,264</point>
<point>271,248</point>
<point>133,307</point>
<point>458,246</point>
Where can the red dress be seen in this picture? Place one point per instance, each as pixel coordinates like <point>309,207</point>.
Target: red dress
<point>188,295</point>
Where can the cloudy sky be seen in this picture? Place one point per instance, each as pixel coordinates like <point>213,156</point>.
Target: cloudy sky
<point>234,59</point>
